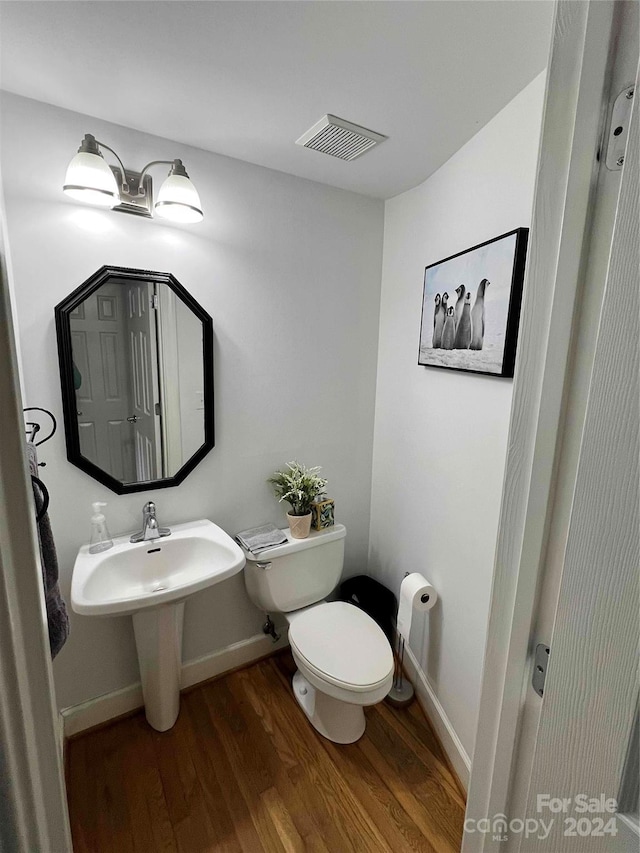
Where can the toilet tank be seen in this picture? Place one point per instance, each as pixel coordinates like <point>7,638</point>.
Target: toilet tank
<point>298,573</point>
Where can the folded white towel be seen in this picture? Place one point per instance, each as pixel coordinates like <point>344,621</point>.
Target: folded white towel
<point>258,538</point>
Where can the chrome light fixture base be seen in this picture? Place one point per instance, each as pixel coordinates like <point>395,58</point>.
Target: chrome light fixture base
<point>131,201</point>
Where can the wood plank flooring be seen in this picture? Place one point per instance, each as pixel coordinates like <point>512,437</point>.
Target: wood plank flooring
<point>243,771</point>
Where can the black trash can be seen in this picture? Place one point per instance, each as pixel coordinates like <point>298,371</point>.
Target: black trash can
<point>372,597</point>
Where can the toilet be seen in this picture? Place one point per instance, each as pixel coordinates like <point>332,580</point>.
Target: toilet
<point>343,657</point>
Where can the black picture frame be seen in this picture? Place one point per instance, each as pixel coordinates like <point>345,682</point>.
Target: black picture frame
<point>513,312</point>
<point>63,331</point>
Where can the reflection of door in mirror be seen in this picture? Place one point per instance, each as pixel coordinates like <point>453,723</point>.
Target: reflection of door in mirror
<point>141,301</point>
<point>103,399</point>
<point>181,380</point>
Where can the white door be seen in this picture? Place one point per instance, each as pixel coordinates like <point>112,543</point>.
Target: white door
<point>584,774</point>
<point>103,395</point>
<point>143,363</point>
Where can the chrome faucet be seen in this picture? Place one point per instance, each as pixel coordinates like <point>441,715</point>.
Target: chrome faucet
<point>150,529</point>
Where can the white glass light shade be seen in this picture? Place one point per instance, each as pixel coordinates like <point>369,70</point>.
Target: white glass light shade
<point>89,179</point>
<point>178,200</point>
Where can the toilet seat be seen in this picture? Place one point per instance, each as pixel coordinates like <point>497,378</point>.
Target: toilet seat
<point>342,646</point>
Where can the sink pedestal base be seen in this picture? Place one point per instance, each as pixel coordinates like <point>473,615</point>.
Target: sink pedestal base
<point>158,634</point>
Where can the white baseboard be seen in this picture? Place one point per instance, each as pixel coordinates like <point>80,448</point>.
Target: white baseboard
<point>434,711</point>
<point>100,710</point>
<point>92,713</point>
<point>231,657</point>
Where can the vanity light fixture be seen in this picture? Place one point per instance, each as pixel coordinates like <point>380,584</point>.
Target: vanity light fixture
<point>90,179</point>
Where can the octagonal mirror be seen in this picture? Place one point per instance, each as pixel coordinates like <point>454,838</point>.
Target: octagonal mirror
<point>136,369</point>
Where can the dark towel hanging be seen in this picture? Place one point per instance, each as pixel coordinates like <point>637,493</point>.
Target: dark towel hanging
<point>57,617</point>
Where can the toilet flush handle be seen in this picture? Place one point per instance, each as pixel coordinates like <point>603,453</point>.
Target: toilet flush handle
<point>263,565</point>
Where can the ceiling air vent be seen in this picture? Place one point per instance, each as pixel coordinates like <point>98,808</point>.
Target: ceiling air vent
<point>339,138</point>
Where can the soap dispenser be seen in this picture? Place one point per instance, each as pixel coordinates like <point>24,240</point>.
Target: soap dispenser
<point>100,537</point>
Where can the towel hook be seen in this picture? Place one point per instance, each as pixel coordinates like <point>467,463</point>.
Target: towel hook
<point>35,427</point>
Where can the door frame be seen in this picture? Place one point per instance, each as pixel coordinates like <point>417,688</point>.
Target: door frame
<point>33,808</point>
<point>575,111</point>
<point>169,381</point>
<point>585,727</point>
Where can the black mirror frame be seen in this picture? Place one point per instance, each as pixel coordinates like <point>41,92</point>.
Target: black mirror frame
<point>69,407</point>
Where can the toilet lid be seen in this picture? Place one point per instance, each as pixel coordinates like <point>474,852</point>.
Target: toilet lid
<point>343,645</point>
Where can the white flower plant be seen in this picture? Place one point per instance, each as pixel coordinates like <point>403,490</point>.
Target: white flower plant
<point>299,486</point>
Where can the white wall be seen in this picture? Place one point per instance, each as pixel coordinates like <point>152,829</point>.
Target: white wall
<point>440,436</point>
<point>290,272</point>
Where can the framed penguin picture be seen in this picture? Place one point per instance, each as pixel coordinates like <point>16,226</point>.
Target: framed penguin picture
<point>471,307</point>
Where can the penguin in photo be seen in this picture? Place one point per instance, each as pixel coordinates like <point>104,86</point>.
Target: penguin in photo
<point>477,316</point>
<point>463,329</point>
<point>460,290</point>
<point>438,323</point>
<point>449,331</point>
<point>445,304</point>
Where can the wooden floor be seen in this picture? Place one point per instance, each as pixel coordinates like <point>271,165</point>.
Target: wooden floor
<point>243,770</point>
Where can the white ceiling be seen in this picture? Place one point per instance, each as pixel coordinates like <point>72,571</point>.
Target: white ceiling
<point>246,79</point>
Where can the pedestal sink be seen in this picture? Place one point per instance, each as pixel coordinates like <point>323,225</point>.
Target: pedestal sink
<point>150,581</point>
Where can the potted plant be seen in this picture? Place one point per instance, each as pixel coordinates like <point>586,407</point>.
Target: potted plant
<point>298,486</point>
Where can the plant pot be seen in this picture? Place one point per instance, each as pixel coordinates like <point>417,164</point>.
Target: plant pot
<point>299,525</point>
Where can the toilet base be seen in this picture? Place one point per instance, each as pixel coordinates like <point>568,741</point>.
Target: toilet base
<point>340,722</point>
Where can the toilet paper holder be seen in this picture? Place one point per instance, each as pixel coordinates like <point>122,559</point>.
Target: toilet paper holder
<point>402,692</point>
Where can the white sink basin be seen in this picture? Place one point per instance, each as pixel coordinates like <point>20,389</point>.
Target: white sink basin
<point>150,581</point>
<point>128,578</point>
